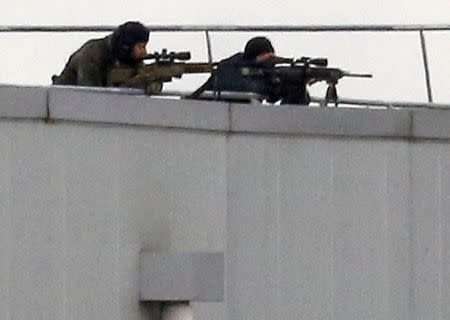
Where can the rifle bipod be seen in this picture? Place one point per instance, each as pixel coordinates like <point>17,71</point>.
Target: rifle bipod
<point>331,95</point>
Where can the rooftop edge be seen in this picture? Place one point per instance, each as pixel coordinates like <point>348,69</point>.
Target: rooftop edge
<point>100,105</point>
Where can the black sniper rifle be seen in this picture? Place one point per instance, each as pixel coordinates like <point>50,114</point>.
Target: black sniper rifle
<point>288,76</point>
<point>150,77</point>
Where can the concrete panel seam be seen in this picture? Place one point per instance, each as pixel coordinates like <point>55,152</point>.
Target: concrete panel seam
<point>48,105</point>
<point>230,118</point>
<point>411,124</point>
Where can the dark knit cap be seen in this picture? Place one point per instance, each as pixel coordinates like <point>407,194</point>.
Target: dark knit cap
<point>126,36</point>
<point>257,46</point>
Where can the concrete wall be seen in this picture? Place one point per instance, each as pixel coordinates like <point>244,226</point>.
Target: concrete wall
<point>79,202</point>
<point>322,213</point>
<point>328,228</point>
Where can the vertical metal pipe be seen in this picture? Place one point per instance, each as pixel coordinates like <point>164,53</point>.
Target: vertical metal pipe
<point>425,64</point>
<point>208,46</point>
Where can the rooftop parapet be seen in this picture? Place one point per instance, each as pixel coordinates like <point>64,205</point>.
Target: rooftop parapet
<point>124,107</point>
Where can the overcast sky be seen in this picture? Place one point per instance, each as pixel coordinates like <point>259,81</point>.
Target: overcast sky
<point>394,58</point>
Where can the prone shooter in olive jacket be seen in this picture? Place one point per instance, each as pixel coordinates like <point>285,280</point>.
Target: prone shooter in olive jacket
<point>89,65</point>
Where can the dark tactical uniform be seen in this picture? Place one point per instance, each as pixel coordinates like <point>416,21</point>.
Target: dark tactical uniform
<point>228,77</point>
<point>89,65</point>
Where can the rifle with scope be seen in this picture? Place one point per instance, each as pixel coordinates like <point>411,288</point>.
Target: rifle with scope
<point>151,77</point>
<point>288,77</point>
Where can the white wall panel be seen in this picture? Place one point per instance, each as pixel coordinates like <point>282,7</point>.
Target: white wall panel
<point>306,237</point>
<point>324,228</point>
<point>80,202</point>
<point>92,250</point>
<point>312,227</point>
<point>444,231</point>
<point>430,214</point>
<point>359,202</point>
<point>5,225</point>
<point>397,250</point>
<point>36,276</point>
<point>252,229</point>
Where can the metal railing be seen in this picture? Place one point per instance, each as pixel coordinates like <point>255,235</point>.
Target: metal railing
<point>206,29</point>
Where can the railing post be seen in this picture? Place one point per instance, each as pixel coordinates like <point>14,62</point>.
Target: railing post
<point>208,46</point>
<point>425,64</point>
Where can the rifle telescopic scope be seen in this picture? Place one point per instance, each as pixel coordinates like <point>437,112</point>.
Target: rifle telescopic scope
<point>320,62</point>
<point>169,56</point>
<point>185,55</point>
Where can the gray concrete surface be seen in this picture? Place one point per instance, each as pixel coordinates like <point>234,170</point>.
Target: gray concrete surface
<point>324,225</point>
<point>80,104</point>
<point>431,124</point>
<point>320,121</point>
<point>23,102</point>
<point>71,104</point>
<point>79,202</point>
<point>337,228</point>
<point>181,276</point>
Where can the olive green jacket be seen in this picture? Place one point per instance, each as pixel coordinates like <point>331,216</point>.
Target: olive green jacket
<point>89,65</point>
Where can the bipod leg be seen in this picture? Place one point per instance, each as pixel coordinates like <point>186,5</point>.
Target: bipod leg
<point>331,95</point>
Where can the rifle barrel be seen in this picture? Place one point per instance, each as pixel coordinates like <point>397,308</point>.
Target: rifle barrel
<point>358,75</point>
<point>198,67</point>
